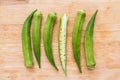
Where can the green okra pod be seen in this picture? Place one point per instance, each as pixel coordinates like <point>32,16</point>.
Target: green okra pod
<point>26,43</point>
<point>62,41</point>
<point>37,18</point>
<point>76,37</point>
<point>47,37</point>
<point>88,43</point>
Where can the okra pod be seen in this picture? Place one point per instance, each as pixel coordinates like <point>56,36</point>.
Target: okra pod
<point>26,42</point>
<point>76,37</point>
<point>88,43</point>
<point>62,41</point>
<point>47,37</point>
<point>37,18</point>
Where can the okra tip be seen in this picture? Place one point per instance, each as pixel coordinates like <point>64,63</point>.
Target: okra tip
<point>35,10</point>
<point>96,11</point>
<point>80,70</point>
<point>39,65</point>
<point>56,68</point>
<point>65,72</point>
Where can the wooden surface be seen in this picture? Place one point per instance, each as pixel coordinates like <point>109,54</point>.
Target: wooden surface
<point>106,40</point>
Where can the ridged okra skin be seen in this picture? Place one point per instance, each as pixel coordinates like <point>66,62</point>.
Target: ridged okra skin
<point>47,37</point>
<point>26,41</point>
<point>37,18</point>
<point>76,37</point>
<point>88,43</point>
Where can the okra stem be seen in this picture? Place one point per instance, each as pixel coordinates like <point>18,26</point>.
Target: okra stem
<point>88,43</point>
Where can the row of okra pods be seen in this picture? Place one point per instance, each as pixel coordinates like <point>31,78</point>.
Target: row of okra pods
<point>36,17</point>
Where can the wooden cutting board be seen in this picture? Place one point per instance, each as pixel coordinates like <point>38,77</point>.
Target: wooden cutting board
<point>106,40</point>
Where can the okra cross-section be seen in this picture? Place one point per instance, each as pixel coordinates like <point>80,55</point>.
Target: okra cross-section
<point>47,37</point>
<point>76,37</point>
<point>62,41</point>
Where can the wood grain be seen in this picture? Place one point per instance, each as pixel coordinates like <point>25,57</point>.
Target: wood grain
<point>106,40</point>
